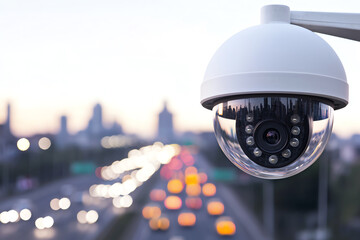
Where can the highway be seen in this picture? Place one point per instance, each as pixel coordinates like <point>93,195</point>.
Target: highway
<point>246,226</point>
<point>129,173</point>
<point>66,225</point>
<point>203,228</point>
<point>84,193</point>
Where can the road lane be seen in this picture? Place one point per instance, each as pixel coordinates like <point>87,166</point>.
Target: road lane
<point>205,224</point>
<point>66,225</point>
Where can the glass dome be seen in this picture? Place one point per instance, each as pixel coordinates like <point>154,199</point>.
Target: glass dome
<point>273,137</point>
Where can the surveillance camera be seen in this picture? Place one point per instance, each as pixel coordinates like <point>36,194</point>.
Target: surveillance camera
<point>273,136</point>
<point>273,89</point>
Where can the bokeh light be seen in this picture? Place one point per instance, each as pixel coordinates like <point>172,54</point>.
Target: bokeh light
<point>23,144</point>
<point>54,204</point>
<point>81,217</point>
<point>157,195</point>
<point>192,178</point>
<point>25,214</point>
<point>44,143</point>
<point>209,189</point>
<point>4,217</point>
<point>39,223</point>
<point>193,202</point>
<point>64,203</point>
<point>193,190</point>
<point>126,201</point>
<point>187,159</point>
<point>215,207</point>
<point>13,216</point>
<point>187,219</point>
<point>173,202</point>
<point>191,170</point>
<point>175,186</point>
<point>151,211</point>
<point>44,222</point>
<point>48,222</point>
<point>203,177</point>
<point>166,173</point>
<point>153,224</point>
<point>123,202</point>
<point>225,226</point>
<point>175,164</point>
<point>161,223</point>
<point>92,216</point>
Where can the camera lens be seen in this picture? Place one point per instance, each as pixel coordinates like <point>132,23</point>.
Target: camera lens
<point>272,132</point>
<point>272,136</point>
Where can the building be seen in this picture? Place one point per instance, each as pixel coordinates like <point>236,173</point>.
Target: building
<point>91,136</point>
<point>165,132</point>
<point>7,140</point>
<point>62,138</point>
<point>95,126</point>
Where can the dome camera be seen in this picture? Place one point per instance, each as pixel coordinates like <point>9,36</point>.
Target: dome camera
<point>273,89</point>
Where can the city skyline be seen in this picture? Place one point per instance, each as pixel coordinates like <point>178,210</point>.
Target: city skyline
<point>96,128</point>
<point>61,58</point>
<point>95,121</point>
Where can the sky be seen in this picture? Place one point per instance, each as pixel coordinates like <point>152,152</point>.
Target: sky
<point>61,57</point>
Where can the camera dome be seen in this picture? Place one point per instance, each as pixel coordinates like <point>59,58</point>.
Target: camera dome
<point>275,57</point>
<point>272,136</point>
<point>273,89</point>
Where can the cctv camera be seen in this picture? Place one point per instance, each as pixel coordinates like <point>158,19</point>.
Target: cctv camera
<point>273,136</point>
<point>273,89</point>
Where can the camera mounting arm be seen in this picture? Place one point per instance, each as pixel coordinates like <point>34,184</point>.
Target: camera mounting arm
<point>344,25</point>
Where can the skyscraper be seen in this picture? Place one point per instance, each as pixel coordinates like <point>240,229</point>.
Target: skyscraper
<point>7,139</point>
<point>62,138</point>
<point>95,126</point>
<point>165,126</point>
<point>7,123</point>
<point>97,122</point>
<point>5,128</point>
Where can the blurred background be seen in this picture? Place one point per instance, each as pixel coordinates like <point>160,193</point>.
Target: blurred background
<point>102,135</point>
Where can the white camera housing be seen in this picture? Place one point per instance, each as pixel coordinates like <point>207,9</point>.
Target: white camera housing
<point>270,74</point>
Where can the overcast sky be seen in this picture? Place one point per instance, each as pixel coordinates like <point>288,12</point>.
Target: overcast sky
<point>63,56</point>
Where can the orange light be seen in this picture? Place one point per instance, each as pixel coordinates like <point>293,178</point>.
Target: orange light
<point>225,226</point>
<point>159,223</point>
<point>193,190</point>
<point>192,178</point>
<point>173,202</point>
<point>193,202</point>
<point>153,224</point>
<point>191,170</point>
<point>209,189</point>
<point>157,195</point>
<point>187,219</point>
<point>215,207</point>
<point>203,177</point>
<point>175,186</point>
<point>151,212</point>
<point>163,223</point>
